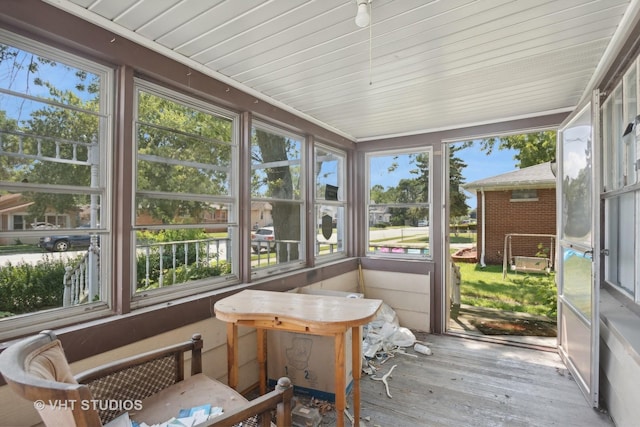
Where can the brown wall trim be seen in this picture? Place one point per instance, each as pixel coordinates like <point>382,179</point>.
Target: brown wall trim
<point>551,121</point>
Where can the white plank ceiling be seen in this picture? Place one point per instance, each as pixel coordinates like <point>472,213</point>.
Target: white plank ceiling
<point>432,65</point>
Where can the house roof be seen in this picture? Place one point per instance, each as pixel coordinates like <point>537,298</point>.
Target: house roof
<point>422,66</point>
<point>13,202</point>
<point>17,208</point>
<point>538,176</point>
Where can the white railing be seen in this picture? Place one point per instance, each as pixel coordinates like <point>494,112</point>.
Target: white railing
<point>208,252</point>
<point>80,288</point>
<point>267,257</point>
<point>37,147</point>
<point>81,282</point>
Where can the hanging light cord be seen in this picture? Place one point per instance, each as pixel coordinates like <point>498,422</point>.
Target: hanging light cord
<point>370,38</point>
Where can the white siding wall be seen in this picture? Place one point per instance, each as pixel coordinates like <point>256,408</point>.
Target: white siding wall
<point>619,362</point>
<point>407,294</point>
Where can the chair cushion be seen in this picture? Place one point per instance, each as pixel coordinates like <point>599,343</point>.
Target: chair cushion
<point>50,363</point>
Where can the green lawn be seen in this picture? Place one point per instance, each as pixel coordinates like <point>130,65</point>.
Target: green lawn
<point>19,248</point>
<point>527,293</point>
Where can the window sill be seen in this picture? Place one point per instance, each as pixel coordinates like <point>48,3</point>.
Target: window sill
<point>621,321</point>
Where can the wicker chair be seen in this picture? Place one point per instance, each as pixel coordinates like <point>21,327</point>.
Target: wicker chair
<point>151,387</point>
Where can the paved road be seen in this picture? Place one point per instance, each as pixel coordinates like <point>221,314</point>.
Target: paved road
<point>34,258</point>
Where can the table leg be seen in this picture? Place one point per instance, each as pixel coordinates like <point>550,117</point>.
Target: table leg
<point>356,368</point>
<point>232,355</point>
<point>341,398</point>
<point>262,359</point>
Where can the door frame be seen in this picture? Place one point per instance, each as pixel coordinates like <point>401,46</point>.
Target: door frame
<point>573,326</point>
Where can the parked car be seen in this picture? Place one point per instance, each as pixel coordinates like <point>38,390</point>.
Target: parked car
<point>423,223</point>
<point>263,238</point>
<point>43,226</point>
<point>62,243</point>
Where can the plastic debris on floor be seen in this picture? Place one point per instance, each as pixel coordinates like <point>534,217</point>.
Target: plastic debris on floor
<point>383,339</point>
<point>384,335</point>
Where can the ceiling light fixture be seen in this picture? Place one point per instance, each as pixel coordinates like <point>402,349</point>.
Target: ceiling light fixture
<point>362,17</point>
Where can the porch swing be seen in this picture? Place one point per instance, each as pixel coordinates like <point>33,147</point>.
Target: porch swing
<point>527,264</point>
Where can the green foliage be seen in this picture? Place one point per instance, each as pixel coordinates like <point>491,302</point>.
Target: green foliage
<point>27,288</point>
<point>543,251</point>
<point>457,199</point>
<point>180,137</point>
<point>532,148</point>
<point>171,235</point>
<point>185,274</point>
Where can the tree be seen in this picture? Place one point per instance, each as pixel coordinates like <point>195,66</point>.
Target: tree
<point>180,137</point>
<point>279,180</point>
<point>7,163</point>
<point>532,148</point>
<point>45,141</point>
<point>457,199</point>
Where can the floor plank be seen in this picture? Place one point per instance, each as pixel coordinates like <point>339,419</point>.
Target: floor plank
<point>468,382</point>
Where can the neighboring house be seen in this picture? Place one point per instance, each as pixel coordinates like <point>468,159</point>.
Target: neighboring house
<point>379,215</point>
<point>215,217</point>
<point>14,215</point>
<point>261,214</point>
<point>523,202</point>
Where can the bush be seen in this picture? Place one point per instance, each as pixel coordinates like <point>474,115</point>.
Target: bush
<point>26,288</point>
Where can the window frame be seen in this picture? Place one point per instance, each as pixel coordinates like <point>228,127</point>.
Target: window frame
<point>340,203</point>
<point>428,204</point>
<point>61,316</point>
<point>616,188</point>
<point>524,195</point>
<point>184,289</point>
<point>278,268</point>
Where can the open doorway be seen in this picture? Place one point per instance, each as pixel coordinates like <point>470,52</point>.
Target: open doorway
<point>501,241</point>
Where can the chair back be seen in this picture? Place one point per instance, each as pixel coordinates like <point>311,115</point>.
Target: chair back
<point>36,368</point>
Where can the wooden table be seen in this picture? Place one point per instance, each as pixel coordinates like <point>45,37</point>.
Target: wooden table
<point>301,313</point>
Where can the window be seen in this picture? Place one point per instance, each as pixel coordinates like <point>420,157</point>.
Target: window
<point>399,203</point>
<point>19,222</point>
<point>185,205</point>
<point>55,114</point>
<point>621,192</point>
<point>277,189</point>
<point>528,195</point>
<point>330,201</point>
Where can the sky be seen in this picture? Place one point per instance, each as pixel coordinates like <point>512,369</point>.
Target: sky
<point>480,166</point>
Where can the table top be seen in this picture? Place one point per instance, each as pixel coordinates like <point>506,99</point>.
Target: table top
<point>312,311</point>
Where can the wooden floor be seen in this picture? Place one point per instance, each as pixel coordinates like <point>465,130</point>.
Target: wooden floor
<point>467,382</point>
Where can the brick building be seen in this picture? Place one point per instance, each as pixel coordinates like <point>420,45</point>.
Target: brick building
<point>523,202</point>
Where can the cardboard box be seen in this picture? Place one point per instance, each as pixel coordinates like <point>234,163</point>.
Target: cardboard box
<point>308,360</point>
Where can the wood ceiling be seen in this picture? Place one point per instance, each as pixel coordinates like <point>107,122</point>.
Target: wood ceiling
<point>428,65</point>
